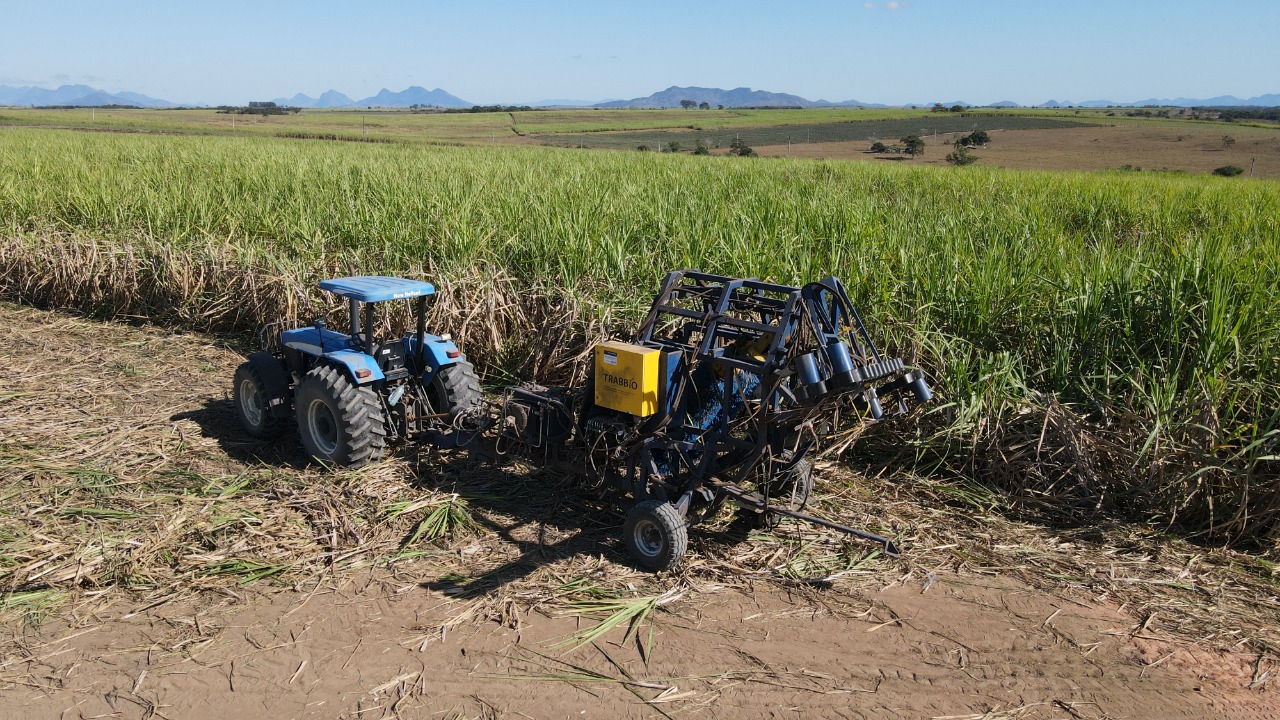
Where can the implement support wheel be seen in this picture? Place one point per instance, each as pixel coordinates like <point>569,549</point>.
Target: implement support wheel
<point>655,534</point>
<point>340,423</point>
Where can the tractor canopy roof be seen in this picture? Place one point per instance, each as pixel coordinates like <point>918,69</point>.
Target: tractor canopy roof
<point>375,288</point>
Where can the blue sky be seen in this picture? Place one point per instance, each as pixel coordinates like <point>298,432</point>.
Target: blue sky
<point>979,51</point>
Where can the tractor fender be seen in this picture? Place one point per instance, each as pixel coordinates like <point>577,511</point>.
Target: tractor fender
<point>438,353</point>
<point>360,369</point>
<point>275,382</point>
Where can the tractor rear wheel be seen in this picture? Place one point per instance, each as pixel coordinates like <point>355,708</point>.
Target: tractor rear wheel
<point>655,534</point>
<point>453,389</point>
<point>340,423</point>
<point>249,393</point>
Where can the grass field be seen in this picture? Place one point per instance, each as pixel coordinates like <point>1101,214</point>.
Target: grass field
<point>1170,148</point>
<point>403,125</point>
<point>1103,344</point>
<point>452,128</point>
<point>1030,138</point>
<point>475,128</point>
<point>861,131</point>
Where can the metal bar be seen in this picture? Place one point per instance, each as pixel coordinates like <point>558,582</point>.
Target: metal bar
<point>889,546</point>
<point>708,277</point>
<point>751,367</point>
<point>682,312</point>
<point>769,287</point>
<point>747,324</point>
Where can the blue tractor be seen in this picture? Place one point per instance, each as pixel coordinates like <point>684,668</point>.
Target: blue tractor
<point>352,393</point>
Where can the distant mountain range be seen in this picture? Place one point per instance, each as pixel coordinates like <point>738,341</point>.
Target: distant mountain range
<point>565,102</point>
<point>746,97</point>
<point>737,97</point>
<point>75,95</point>
<point>1269,100</point>
<point>85,96</point>
<point>329,99</point>
<point>408,97</point>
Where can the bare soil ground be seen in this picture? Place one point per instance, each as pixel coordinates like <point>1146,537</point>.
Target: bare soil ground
<point>1183,147</point>
<point>156,563</point>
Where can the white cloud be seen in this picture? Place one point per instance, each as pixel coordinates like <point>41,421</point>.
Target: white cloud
<point>869,6</point>
<point>891,5</point>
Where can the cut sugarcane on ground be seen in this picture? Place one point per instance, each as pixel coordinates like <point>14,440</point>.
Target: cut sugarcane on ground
<point>156,563</point>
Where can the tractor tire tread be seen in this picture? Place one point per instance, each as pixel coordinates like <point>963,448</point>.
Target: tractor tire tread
<point>668,522</point>
<point>358,408</point>
<point>271,427</point>
<point>455,388</point>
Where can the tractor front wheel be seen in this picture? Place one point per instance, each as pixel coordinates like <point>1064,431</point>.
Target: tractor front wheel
<point>655,534</point>
<point>249,393</point>
<point>340,423</point>
<point>454,388</point>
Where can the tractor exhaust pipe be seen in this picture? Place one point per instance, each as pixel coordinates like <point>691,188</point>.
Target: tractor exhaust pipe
<point>422,333</point>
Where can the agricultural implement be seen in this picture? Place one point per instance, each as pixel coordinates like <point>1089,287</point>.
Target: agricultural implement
<point>720,397</point>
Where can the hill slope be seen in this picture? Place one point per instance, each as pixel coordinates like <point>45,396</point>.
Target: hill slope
<point>737,97</point>
<point>414,95</point>
<point>74,95</point>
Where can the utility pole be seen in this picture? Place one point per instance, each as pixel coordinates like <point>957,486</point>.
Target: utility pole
<point>1252,162</point>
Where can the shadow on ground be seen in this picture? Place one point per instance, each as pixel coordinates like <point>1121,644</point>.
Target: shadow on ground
<point>545,517</point>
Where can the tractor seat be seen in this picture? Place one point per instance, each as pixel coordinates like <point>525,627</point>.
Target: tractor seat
<point>390,357</point>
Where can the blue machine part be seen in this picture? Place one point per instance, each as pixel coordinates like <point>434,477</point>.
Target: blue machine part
<point>440,353</point>
<point>671,365</point>
<point>339,348</point>
<point>376,288</point>
<point>709,406</point>
<point>842,370</point>
<point>807,369</point>
<point>335,347</point>
<point>360,367</point>
<point>312,341</point>
<point>921,389</point>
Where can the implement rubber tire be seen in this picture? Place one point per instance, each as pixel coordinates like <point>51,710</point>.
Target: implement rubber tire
<point>454,388</point>
<point>249,394</point>
<point>655,534</point>
<point>340,423</point>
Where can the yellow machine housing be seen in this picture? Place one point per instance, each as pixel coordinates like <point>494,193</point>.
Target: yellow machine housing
<point>626,378</point>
